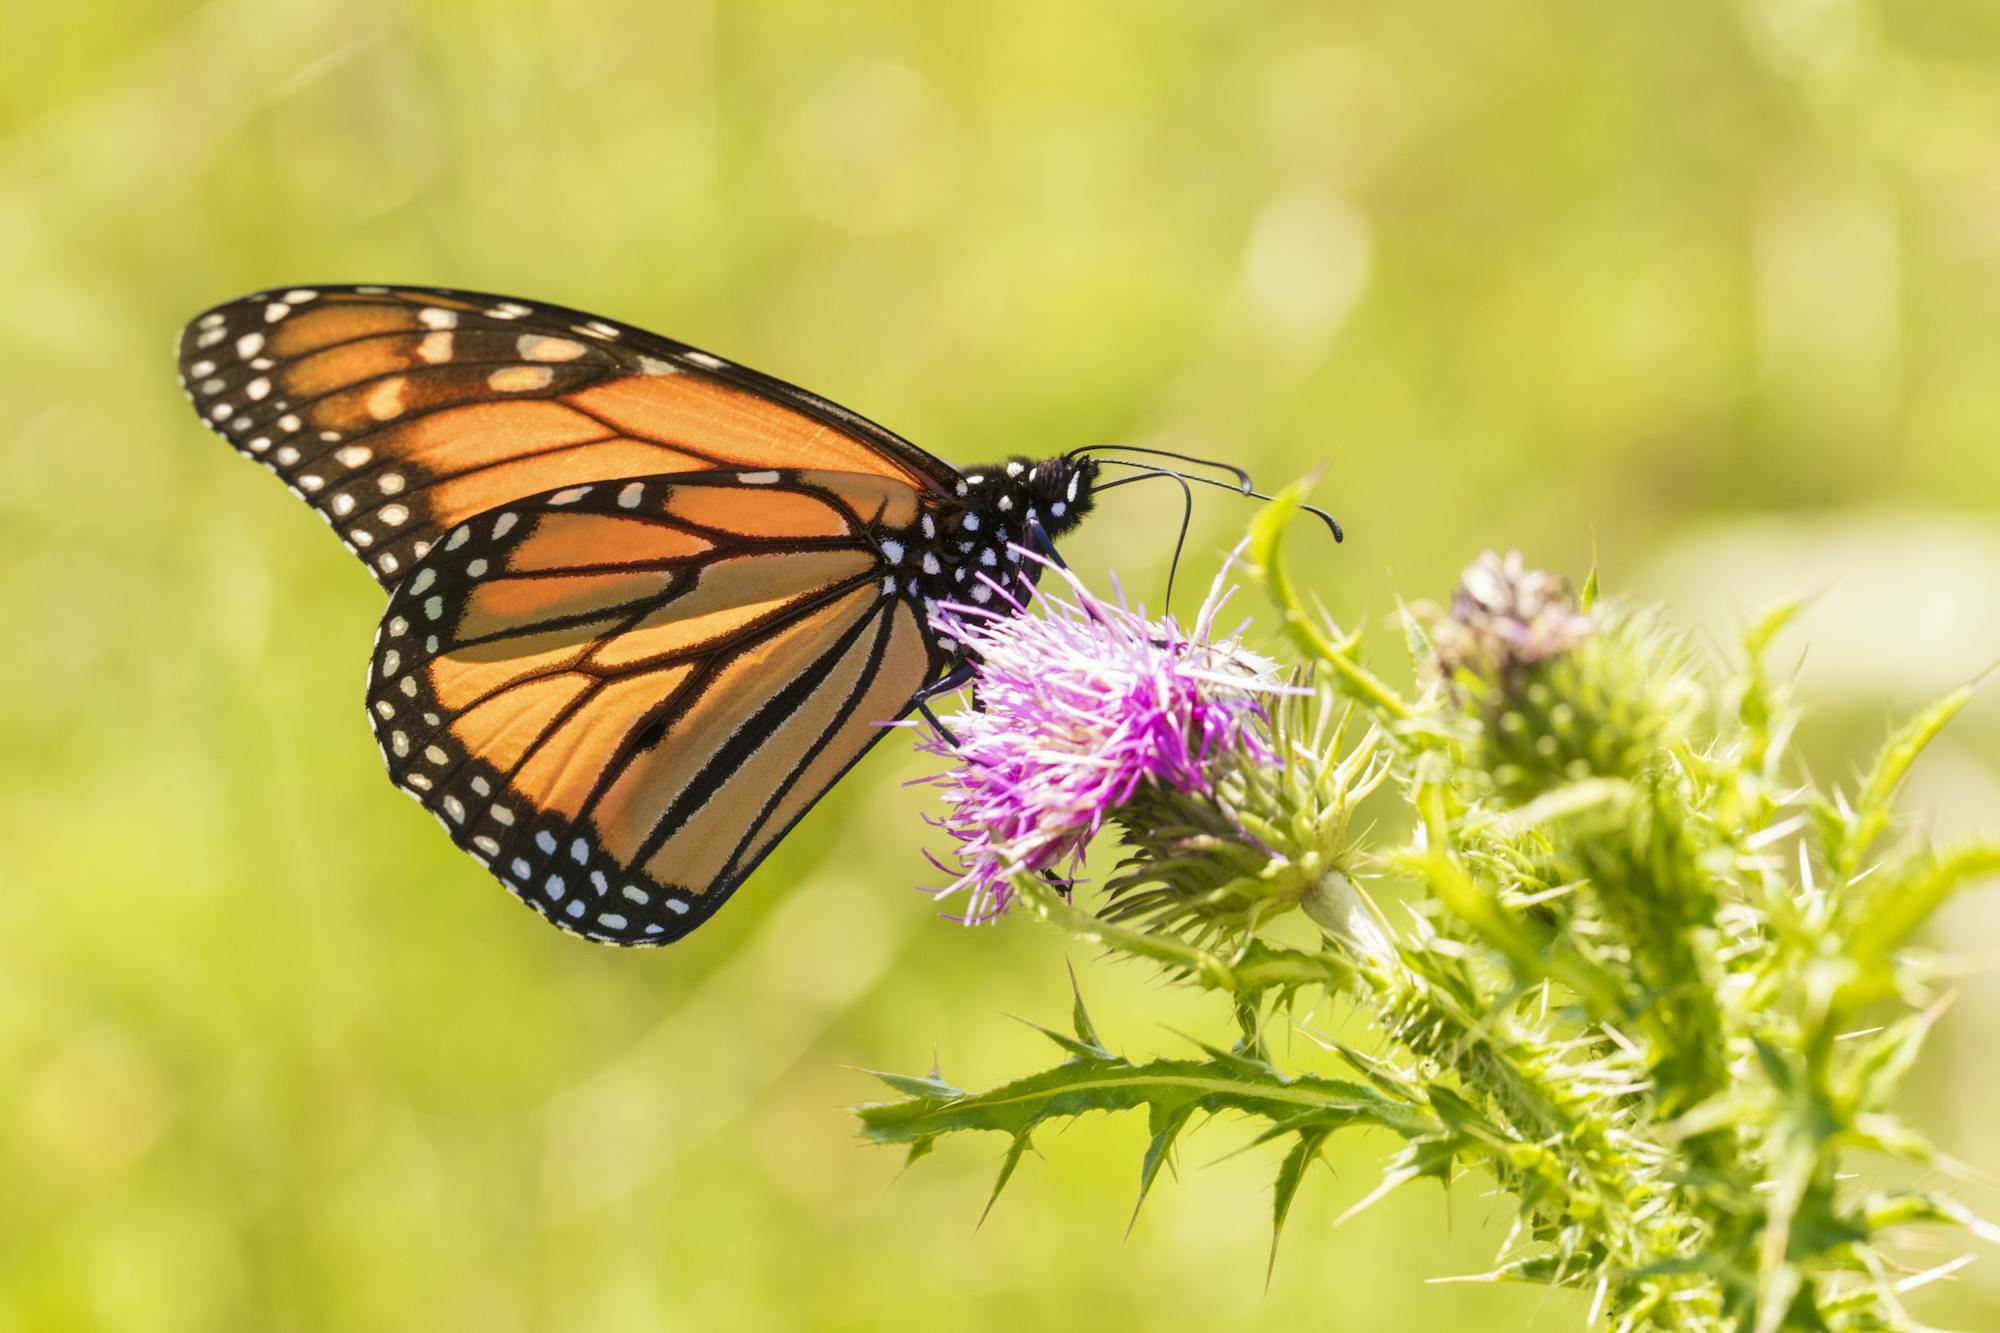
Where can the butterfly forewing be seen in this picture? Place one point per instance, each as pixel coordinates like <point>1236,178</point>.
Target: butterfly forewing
<point>399,413</point>
<point>619,695</point>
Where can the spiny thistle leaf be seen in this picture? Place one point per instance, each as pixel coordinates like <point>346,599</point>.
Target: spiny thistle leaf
<point>1079,1018</point>
<point>1166,1122</point>
<point>1758,637</point>
<point>1007,1164</point>
<point>1907,1207</point>
<point>1292,1174</point>
<point>1172,1091</point>
<point>1849,834</point>
<point>930,1085</point>
<point>1893,905</point>
<point>1083,1051</point>
<point>1071,1090</point>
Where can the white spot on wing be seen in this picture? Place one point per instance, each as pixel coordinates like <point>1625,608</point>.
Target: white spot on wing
<point>385,400</point>
<point>539,347</point>
<point>520,379</point>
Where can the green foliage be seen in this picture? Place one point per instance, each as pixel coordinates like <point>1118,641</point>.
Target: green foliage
<point>1302,1108</point>
<point>1654,988</point>
<point>1200,871</point>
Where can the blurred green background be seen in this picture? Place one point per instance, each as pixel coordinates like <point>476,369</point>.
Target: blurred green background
<point>1713,283</point>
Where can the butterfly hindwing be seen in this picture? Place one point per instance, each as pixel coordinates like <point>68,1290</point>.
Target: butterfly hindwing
<point>620,694</point>
<point>399,413</point>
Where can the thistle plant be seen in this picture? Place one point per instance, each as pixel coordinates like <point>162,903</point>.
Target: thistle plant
<point>1614,952</point>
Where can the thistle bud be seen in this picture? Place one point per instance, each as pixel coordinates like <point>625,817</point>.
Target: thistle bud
<point>1551,693</point>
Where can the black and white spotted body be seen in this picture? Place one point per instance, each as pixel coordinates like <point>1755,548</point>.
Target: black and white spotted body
<point>1004,508</point>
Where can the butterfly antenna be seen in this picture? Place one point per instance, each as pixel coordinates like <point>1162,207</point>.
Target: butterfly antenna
<point>1146,473</point>
<point>1187,517</point>
<point>1243,482</point>
<point>1145,470</point>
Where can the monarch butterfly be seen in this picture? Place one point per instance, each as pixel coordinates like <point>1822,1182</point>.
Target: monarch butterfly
<point>645,605</point>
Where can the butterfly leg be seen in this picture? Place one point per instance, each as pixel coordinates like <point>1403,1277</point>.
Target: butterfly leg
<point>957,679</point>
<point>939,727</point>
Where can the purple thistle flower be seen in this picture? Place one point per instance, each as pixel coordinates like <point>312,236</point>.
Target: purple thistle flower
<point>1081,705</point>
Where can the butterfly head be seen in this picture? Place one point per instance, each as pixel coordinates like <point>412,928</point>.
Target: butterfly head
<point>1054,494</point>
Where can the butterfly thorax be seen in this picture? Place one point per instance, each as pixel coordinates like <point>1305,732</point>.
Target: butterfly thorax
<point>971,553</point>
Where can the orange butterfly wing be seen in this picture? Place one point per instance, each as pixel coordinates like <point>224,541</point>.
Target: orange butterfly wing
<point>399,413</point>
<point>618,696</point>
